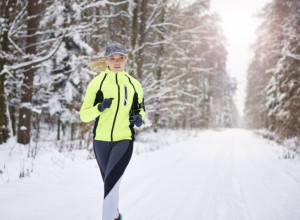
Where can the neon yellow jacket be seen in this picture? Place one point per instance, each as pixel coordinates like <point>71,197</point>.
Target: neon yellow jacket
<point>113,124</point>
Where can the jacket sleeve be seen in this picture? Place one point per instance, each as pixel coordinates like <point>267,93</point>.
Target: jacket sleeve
<point>141,104</point>
<point>88,111</point>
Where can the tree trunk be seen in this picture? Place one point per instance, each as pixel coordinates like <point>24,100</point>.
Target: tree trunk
<point>157,99</point>
<point>134,35</point>
<point>159,76</point>
<point>27,86</point>
<point>140,60</point>
<point>12,113</point>
<point>58,128</point>
<point>5,7</point>
<point>3,122</point>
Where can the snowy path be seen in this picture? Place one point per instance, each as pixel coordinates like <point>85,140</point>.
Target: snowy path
<point>228,175</point>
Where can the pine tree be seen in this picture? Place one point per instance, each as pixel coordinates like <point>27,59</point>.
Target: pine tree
<point>287,76</point>
<point>260,97</point>
<point>273,76</point>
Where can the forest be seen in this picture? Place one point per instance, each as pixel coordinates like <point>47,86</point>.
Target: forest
<point>177,52</point>
<point>273,93</point>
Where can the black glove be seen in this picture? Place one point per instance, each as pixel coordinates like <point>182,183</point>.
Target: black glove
<point>105,104</point>
<point>137,120</point>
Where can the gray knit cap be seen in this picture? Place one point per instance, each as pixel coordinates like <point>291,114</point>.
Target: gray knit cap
<point>115,48</point>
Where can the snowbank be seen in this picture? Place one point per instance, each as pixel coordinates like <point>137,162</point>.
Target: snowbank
<point>50,158</point>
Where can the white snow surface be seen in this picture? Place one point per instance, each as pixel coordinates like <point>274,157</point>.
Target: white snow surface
<point>231,174</point>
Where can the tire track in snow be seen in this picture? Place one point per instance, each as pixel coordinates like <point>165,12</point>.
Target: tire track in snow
<point>216,176</point>
<point>225,202</point>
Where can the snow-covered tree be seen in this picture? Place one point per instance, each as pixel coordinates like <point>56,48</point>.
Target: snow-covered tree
<point>177,53</point>
<point>202,42</point>
<point>266,54</point>
<point>286,77</point>
<point>273,78</point>
<point>19,60</point>
<point>5,20</point>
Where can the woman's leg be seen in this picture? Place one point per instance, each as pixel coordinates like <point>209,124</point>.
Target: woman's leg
<point>102,151</point>
<point>119,158</point>
<point>112,169</point>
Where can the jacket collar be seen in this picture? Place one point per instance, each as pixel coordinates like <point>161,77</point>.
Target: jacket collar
<point>123,73</point>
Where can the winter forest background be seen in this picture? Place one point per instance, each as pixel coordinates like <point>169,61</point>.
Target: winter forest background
<point>178,53</point>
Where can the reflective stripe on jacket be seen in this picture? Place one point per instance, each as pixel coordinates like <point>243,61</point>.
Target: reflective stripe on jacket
<point>113,124</point>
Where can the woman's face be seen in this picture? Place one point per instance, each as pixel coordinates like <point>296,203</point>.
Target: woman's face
<point>116,62</point>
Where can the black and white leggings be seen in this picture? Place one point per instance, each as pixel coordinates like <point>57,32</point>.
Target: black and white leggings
<point>112,158</point>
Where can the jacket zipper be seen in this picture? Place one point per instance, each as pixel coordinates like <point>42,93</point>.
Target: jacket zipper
<point>113,126</point>
<point>125,98</point>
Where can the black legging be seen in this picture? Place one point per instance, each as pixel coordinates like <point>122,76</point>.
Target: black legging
<point>112,158</point>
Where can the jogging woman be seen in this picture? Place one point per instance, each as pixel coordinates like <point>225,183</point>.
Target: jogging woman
<point>115,100</point>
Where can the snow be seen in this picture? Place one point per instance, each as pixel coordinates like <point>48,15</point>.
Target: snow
<point>23,128</point>
<point>58,16</point>
<point>54,105</point>
<point>294,56</point>
<point>37,110</point>
<point>77,39</point>
<point>210,175</point>
<point>7,69</point>
<point>68,92</point>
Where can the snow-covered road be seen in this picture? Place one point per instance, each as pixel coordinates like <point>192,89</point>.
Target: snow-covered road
<point>228,175</point>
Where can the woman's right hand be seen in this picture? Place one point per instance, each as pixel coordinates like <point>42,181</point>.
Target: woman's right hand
<point>105,104</point>
<point>137,120</point>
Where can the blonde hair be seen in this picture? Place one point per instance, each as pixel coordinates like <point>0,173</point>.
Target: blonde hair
<point>98,65</point>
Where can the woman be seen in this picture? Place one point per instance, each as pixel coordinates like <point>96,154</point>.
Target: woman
<point>115,100</point>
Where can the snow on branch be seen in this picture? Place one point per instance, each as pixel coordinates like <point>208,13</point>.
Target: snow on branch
<point>166,24</point>
<point>152,18</point>
<point>295,56</point>
<point>12,27</point>
<point>7,69</point>
<point>157,43</point>
<point>101,4</point>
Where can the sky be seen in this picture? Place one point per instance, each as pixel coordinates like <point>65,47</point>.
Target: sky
<point>239,25</point>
